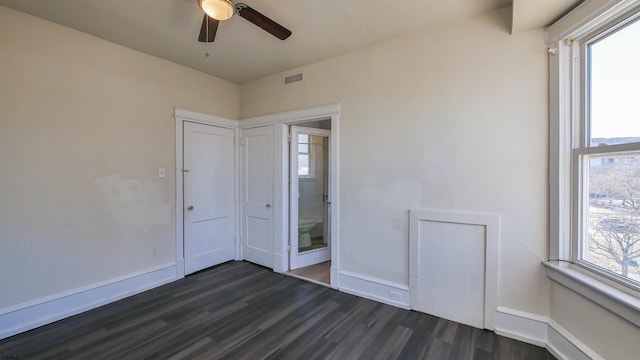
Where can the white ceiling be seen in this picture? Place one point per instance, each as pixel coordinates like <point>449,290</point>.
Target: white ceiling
<point>242,52</point>
<point>532,14</point>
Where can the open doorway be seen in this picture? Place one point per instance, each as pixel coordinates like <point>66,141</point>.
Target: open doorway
<point>310,195</point>
<point>277,203</point>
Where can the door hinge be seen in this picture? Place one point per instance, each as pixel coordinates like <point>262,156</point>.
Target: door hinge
<point>289,247</point>
<point>289,137</point>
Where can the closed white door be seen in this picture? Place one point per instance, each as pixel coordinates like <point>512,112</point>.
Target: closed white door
<point>257,195</point>
<point>309,197</point>
<point>209,208</point>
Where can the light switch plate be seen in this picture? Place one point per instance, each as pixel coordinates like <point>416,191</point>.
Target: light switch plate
<point>160,172</point>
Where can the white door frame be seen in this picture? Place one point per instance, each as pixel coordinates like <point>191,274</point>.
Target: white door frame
<point>294,211</point>
<point>182,115</point>
<point>281,122</point>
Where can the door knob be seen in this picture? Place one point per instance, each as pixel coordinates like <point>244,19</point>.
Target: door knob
<point>268,205</point>
<point>190,208</point>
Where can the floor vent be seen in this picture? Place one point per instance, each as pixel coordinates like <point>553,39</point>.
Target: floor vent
<point>292,78</point>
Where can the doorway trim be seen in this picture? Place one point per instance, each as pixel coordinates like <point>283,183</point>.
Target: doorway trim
<point>182,115</point>
<point>281,122</point>
<point>316,256</point>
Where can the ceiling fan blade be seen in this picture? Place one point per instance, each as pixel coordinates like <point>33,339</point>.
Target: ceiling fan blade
<point>208,29</point>
<point>262,21</point>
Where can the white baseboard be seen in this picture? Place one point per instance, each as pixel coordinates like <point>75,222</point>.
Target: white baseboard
<point>520,325</point>
<point>563,345</point>
<point>334,276</point>
<point>30,315</point>
<point>278,263</point>
<point>374,289</point>
<point>541,331</point>
<point>179,268</point>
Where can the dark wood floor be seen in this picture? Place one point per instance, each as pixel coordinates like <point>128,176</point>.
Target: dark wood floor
<point>242,311</point>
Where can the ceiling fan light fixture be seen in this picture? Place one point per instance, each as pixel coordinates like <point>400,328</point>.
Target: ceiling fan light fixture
<point>217,9</point>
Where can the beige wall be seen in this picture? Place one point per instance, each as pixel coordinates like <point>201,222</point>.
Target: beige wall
<point>449,119</point>
<point>454,118</point>
<point>84,126</point>
<point>609,335</point>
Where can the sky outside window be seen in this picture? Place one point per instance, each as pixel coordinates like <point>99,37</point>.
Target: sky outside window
<point>615,85</point>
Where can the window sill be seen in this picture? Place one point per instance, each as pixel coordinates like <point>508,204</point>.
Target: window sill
<point>614,300</point>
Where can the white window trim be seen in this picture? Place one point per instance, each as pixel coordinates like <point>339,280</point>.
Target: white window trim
<point>565,77</point>
<point>311,171</point>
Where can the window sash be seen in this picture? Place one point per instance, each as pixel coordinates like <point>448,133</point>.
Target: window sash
<point>309,154</point>
<point>581,149</point>
<point>608,149</point>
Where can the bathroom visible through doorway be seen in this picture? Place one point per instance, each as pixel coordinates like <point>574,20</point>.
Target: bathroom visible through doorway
<point>309,196</point>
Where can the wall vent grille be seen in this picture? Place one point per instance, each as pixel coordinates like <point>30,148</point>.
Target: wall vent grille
<point>292,78</point>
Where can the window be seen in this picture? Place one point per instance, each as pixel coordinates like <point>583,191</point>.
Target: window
<point>606,153</point>
<point>305,162</point>
<point>594,163</point>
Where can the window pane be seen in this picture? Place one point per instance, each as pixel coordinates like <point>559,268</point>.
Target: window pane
<point>303,165</point>
<point>615,87</point>
<point>613,214</point>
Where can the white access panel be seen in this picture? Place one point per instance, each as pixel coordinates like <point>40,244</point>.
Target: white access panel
<point>453,266</point>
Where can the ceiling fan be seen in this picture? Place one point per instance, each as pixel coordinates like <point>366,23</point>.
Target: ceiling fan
<point>219,10</point>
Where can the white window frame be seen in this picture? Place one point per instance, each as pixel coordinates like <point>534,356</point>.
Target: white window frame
<point>311,155</point>
<point>310,168</point>
<point>567,41</point>
<point>582,147</point>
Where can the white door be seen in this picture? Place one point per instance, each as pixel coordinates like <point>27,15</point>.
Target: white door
<point>209,207</point>
<point>257,195</point>
<point>309,197</point>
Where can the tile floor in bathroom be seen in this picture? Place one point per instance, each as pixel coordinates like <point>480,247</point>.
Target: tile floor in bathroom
<point>316,243</point>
